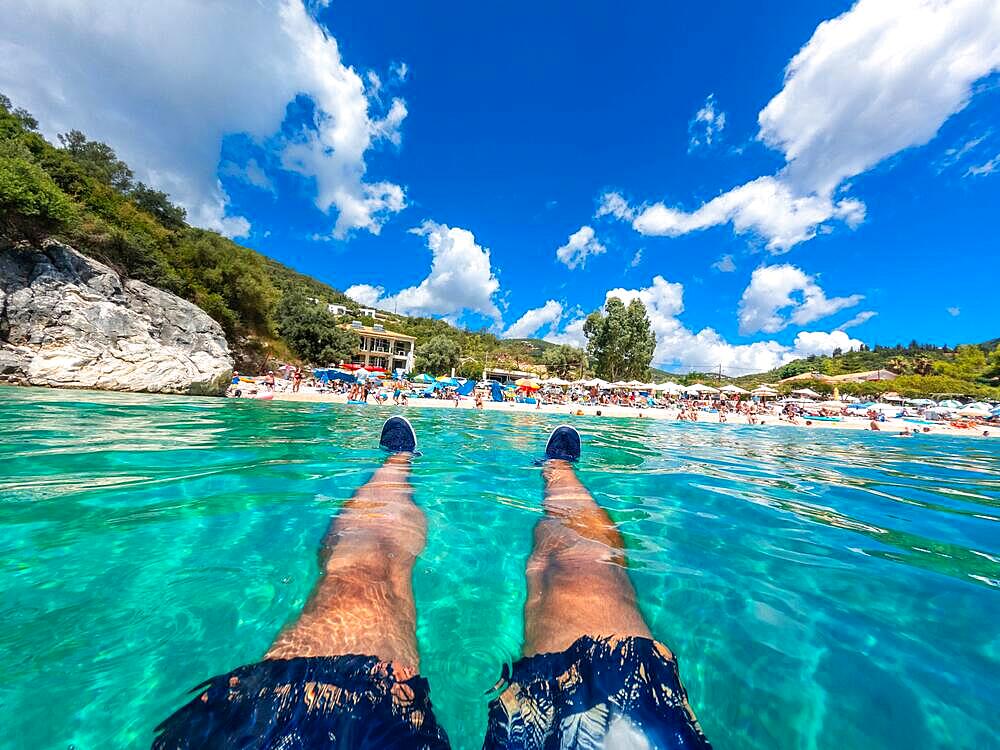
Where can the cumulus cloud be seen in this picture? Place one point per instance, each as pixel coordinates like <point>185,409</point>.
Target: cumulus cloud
<point>706,125</point>
<point>725,264</point>
<point>163,83</point>
<point>778,296</point>
<point>571,334</point>
<point>580,246</point>
<point>876,80</point>
<point>678,346</point>
<point>365,294</point>
<point>461,279</point>
<point>954,311</point>
<point>766,206</point>
<point>535,319</point>
<point>614,204</point>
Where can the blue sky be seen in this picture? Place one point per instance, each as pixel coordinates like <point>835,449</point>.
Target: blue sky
<point>770,179</point>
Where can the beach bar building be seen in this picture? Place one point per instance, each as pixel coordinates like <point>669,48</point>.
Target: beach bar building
<point>378,347</point>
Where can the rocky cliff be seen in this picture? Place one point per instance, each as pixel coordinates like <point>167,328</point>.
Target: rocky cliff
<point>68,321</point>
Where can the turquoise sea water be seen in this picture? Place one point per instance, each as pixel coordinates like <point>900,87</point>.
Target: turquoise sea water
<point>822,589</point>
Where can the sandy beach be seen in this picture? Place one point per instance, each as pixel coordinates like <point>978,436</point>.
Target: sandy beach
<point>890,426</point>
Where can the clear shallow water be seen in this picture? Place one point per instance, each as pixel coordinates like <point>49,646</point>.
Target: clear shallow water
<point>822,589</point>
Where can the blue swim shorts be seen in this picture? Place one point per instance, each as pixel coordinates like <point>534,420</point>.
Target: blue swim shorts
<point>597,693</point>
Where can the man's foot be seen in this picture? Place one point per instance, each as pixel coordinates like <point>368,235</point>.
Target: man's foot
<point>564,444</point>
<point>398,436</point>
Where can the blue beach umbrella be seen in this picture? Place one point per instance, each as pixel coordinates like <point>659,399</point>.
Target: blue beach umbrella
<point>423,378</point>
<point>445,380</point>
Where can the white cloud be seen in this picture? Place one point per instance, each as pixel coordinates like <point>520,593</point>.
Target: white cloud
<point>365,294</point>
<point>862,317</point>
<point>251,173</point>
<point>461,279</point>
<point>984,169</point>
<point>571,334</point>
<point>163,83</point>
<point>535,319</point>
<point>580,245</point>
<point>636,258</point>
<point>725,264</point>
<point>874,81</point>
<point>954,311</point>
<point>401,70</point>
<point>614,204</point>
<point>677,345</point>
<point>766,206</point>
<point>768,304</point>
<point>706,125</point>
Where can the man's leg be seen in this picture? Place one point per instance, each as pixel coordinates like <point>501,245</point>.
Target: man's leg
<point>591,676</point>
<point>363,601</point>
<point>345,673</point>
<point>577,579</point>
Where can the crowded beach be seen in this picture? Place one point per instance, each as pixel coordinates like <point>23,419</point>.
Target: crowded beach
<point>594,397</point>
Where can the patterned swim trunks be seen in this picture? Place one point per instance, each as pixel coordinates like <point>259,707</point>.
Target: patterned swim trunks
<point>615,692</point>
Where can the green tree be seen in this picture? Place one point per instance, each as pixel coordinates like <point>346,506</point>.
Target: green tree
<point>969,363</point>
<point>98,159</point>
<point>439,355</point>
<point>564,360</point>
<point>158,204</point>
<point>898,365</point>
<point>620,342</point>
<point>312,332</point>
<point>31,204</point>
<point>923,366</point>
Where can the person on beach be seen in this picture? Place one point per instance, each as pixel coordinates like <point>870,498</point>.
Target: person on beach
<point>345,674</point>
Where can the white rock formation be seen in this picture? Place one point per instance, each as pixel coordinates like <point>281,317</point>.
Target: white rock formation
<point>68,321</point>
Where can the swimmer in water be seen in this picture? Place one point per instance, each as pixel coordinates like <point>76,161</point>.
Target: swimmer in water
<point>345,673</point>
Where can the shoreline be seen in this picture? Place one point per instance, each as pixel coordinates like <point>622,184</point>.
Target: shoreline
<point>890,426</point>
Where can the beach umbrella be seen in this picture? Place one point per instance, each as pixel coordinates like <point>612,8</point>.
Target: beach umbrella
<point>951,403</point>
<point>528,384</point>
<point>732,389</point>
<point>636,385</point>
<point>448,381</point>
<point>806,392</point>
<point>706,388</point>
<point>603,384</point>
<point>922,402</point>
<point>973,411</point>
<point>423,378</point>
<point>555,381</point>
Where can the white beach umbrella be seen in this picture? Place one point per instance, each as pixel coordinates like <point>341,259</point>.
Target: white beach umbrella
<point>951,403</point>
<point>636,385</point>
<point>555,381</point>
<point>978,409</point>
<point>806,392</point>
<point>671,387</point>
<point>602,384</point>
<point>732,389</point>
<point>707,388</point>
